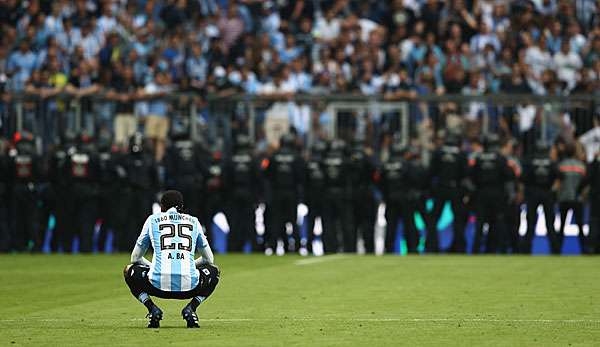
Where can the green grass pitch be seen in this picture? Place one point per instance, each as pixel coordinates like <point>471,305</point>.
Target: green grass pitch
<point>336,300</point>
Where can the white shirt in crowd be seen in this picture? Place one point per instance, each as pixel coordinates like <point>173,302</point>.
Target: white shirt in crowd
<point>567,67</point>
<point>327,30</point>
<point>591,142</point>
<point>538,60</point>
<point>106,24</point>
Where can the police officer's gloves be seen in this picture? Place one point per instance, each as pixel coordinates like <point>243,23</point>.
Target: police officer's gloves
<point>121,172</point>
<point>468,185</point>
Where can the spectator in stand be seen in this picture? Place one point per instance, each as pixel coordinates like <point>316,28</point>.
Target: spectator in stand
<point>157,122</point>
<point>536,58</point>
<point>90,41</point>
<point>20,65</point>
<point>576,38</point>
<point>230,26</point>
<point>592,54</point>
<point>484,38</point>
<point>554,36</point>
<point>123,92</point>
<point>476,86</point>
<point>567,64</point>
<point>327,27</point>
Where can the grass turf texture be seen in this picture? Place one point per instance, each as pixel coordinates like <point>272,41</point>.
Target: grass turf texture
<point>337,300</point>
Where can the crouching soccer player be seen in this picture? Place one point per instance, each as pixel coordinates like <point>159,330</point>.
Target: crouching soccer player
<point>173,273</point>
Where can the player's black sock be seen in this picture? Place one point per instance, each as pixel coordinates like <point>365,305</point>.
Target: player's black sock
<point>149,304</point>
<point>196,301</point>
<point>145,299</point>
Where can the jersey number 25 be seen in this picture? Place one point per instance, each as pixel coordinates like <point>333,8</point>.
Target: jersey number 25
<point>183,231</point>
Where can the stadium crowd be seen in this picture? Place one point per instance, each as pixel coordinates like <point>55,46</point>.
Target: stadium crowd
<point>124,61</point>
<point>140,50</point>
<point>305,46</point>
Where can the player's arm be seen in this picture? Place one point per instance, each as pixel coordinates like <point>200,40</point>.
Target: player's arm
<point>141,246</point>
<point>202,247</point>
<point>207,256</point>
<point>137,256</point>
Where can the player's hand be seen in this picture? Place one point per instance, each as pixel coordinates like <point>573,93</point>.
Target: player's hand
<point>215,267</point>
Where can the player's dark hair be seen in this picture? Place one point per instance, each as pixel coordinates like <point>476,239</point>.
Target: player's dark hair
<point>171,198</point>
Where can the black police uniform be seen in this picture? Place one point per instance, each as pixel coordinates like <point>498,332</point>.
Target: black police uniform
<point>285,174</point>
<point>393,185</point>
<point>24,169</point>
<point>111,180</point>
<point>214,201</point>
<point>59,174</point>
<point>449,167</point>
<point>489,174</point>
<point>5,199</point>
<point>593,179</point>
<point>572,173</point>
<point>83,178</point>
<point>362,200</point>
<point>185,165</point>
<point>417,186</point>
<point>313,190</point>
<point>242,184</point>
<point>142,183</point>
<point>513,212</point>
<point>336,215</point>
<point>539,174</point>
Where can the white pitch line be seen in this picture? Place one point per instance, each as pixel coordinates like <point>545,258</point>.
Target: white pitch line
<point>321,259</point>
<point>314,319</point>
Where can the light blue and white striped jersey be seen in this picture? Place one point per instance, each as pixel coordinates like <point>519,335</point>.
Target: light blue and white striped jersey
<point>174,237</point>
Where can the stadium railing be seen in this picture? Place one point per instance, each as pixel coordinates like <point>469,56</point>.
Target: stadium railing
<point>215,118</point>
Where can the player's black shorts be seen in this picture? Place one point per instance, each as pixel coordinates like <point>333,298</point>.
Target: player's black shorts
<point>136,278</point>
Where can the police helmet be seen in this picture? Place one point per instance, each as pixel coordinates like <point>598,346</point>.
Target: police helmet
<point>179,133</point>
<point>452,139</point>
<point>242,141</point>
<point>136,143</point>
<point>397,149</point>
<point>338,145</point>
<point>24,143</point>
<point>490,142</point>
<point>319,147</point>
<point>542,147</point>
<point>287,141</point>
<point>104,144</point>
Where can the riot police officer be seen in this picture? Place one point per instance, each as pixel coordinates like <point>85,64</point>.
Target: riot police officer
<point>24,169</point>
<point>362,200</point>
<point>314,188</point>
<point>514,194</point>
<point>393,187</point>
<point>59,174</point>
<point>539,174</point>
<point>242,184</point>
<point>215,192</point>
<point>448,169</point>
<point>489,174</point>
<point>83,178</point>
<point>417,185</point>
<point>285,176</point>
<point>336,214</point>
<point>142,183</point>
<point>5,198</point>
<point>111,180</point>
<point>593,179</point>
<point>571,175</point>
<point>185,165</point>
